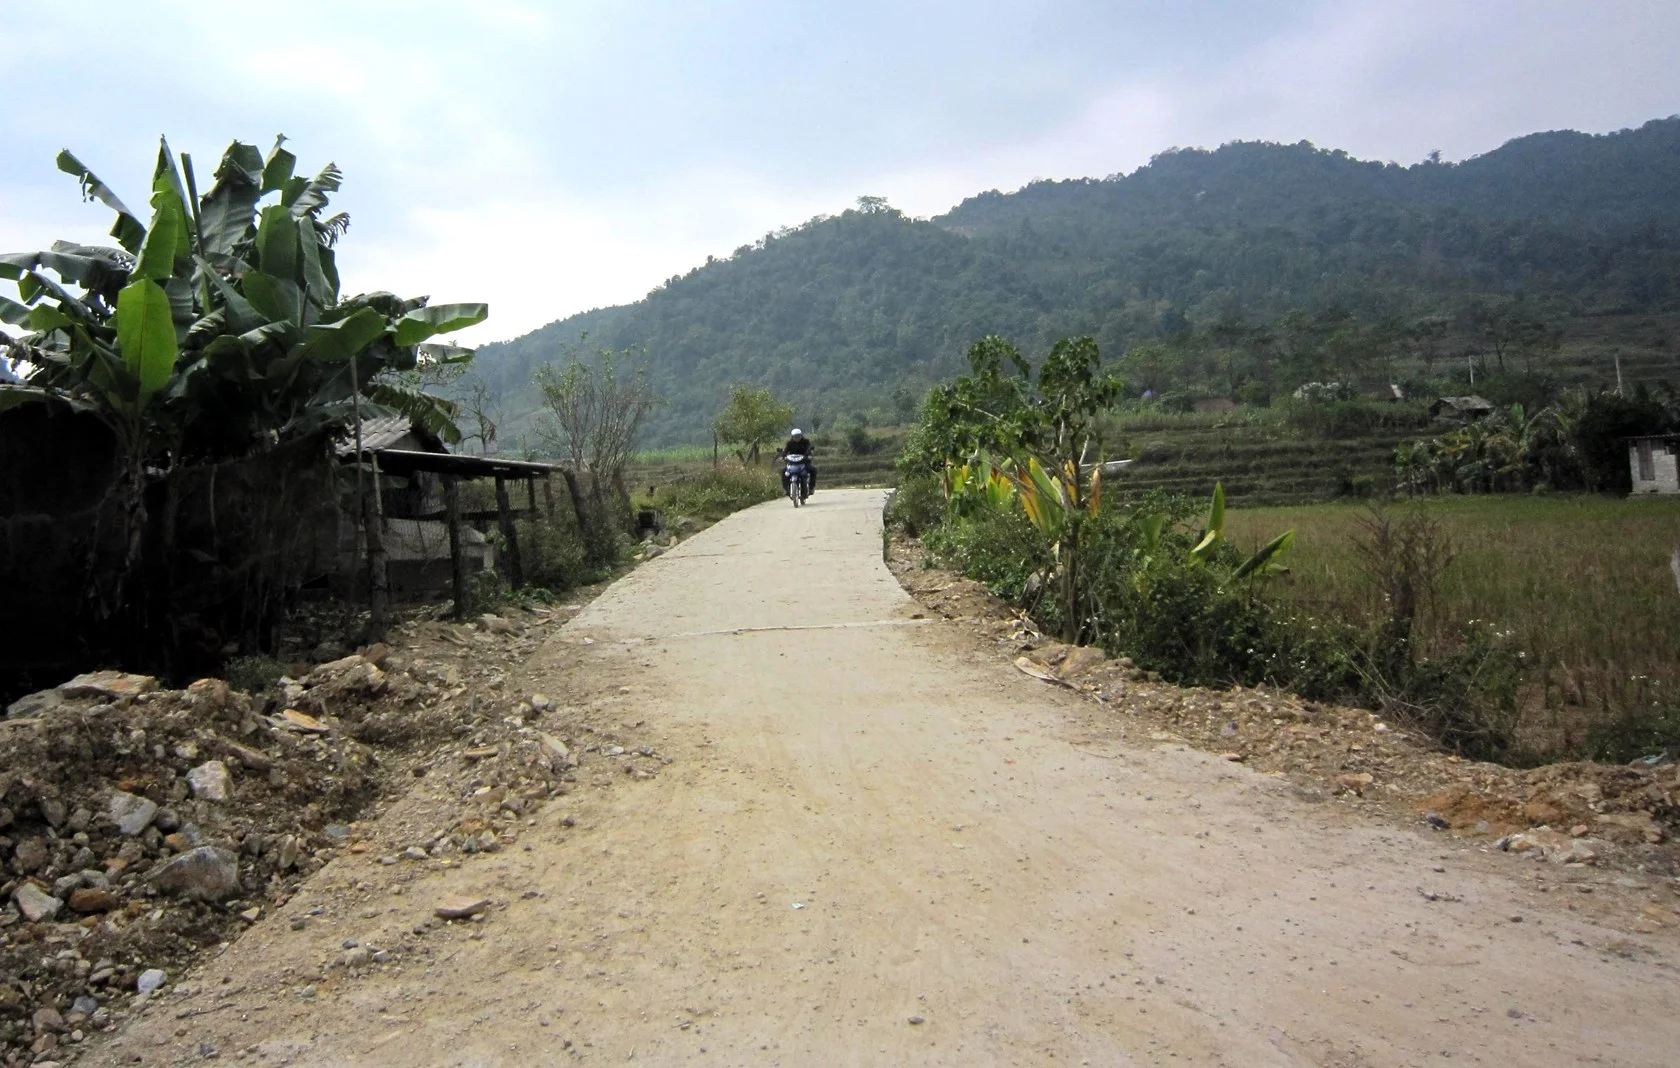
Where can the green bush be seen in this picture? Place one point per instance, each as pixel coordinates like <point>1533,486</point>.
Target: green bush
<point>1000,549</point>
<point>859,441</point>
<point>917,505</point>
<point>1632,735</point>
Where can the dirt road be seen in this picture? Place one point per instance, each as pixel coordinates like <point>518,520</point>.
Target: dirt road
<point>876,845</point>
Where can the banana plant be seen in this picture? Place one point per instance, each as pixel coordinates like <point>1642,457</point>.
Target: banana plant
<point>215,327</point>
<point>218,325</point>
<point>977,486</point>
<point>1203,552</point>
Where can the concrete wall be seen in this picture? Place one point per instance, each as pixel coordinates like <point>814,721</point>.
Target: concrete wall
<point>1665,467</point>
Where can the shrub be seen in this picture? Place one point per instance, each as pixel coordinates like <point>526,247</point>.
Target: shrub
<point>1637,734</point>
<point>859,442</point>
<point>1354,418</point>
<point>554,555</point>
<point>1000,549</point>
<point>917,505</point>
<point>253,674</point>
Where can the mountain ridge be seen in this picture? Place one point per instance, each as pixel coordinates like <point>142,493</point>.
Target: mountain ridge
<point>848,313</point>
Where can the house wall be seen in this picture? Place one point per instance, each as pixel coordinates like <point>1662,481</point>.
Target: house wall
<point>1665,467</point>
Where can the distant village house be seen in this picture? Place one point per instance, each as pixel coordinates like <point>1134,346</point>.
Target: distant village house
<point>1654,461</point>
<point>1468,407</point>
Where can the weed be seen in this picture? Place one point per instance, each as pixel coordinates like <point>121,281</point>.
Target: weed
<point>709,495</point>
<point>253,674</point>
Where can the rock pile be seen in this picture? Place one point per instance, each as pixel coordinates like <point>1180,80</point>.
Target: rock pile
<point>139,823</point>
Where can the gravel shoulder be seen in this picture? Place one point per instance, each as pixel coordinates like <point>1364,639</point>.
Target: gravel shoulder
<point>843,834</point>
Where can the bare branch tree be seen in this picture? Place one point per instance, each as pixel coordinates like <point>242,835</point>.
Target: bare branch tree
<point>481,411</point>
<point>592,419</point>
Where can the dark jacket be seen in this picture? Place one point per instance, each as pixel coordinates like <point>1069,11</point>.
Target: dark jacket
<point>799,446</point>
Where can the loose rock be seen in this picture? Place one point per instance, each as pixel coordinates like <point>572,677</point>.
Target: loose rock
<point>131,813</point>
<point>29,855</point>
<point>110,685</point>
<point>460,908</point>
<point>36,904</point>
<point>86,900</point>
<point>211,781</point>
<point>208,872</point>
<point>35,704</point>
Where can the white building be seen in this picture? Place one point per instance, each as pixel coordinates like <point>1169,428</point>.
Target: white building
<point>1655,463</point>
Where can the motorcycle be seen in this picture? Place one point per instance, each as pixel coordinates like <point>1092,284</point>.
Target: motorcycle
<point>795,476</point>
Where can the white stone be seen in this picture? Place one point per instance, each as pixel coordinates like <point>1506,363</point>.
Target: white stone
<point>211,781</point>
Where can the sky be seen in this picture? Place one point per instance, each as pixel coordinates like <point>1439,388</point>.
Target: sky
<point>548,158</point>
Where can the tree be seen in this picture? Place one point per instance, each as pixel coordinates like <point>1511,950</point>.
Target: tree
<point>752,419</point>
<point>593,417</point>
<point>481,412</point>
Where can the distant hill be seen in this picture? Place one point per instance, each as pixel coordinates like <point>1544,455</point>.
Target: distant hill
<point>860,312</point>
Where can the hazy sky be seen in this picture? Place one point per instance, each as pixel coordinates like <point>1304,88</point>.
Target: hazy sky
<point>553,157</point>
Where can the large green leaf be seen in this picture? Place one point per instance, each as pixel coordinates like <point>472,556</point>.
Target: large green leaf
<point>1263,560</point>
<point>277,169</point>
<point>317,286</point>
<point>32,283</point>
<point>163,241</point>
<point>1215,525</point>
<point>93,267</point>
<point>241,316</point>
<point>345,338</point>
<point>439,355</point>
<point>13,313</point>
<point>128,230</point>
<point>227,210</point>
<point>45,318</point>
<point>277,243</point>
<point>434,413</point>
<point>274,298</point>
<point>146,335</point>
<point>15,396</point>
<point>422,323</point>
<point>167,185</point>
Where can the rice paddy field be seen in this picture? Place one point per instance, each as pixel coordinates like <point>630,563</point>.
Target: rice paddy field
<point>1582,585</point>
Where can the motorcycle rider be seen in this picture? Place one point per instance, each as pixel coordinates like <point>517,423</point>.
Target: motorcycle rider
<point>799,445</point>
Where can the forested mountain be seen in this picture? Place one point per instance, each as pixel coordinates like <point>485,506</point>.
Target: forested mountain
<point>842,313</point>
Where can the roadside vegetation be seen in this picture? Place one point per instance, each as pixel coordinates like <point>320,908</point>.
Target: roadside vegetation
<point>1517,629</point>
<point>1578,587</point>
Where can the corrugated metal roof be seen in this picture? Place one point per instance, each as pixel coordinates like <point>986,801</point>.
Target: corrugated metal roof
<point>381,433</point>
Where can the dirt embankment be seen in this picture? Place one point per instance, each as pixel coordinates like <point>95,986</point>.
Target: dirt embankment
<point>141,827</point>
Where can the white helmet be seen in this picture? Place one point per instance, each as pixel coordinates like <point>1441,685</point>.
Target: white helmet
<point>797,433</point>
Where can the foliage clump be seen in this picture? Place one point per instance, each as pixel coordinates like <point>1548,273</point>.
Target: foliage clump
<point>1159,581</point>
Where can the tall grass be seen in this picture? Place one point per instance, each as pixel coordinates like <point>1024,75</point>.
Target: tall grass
<point>1581,584</point>
<point>709,495</point>
<point>675,454</point>
<point>1146,419</point>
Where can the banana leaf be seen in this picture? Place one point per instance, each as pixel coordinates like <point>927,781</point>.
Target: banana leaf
<point>1264,560</point>
<point>128,230</point>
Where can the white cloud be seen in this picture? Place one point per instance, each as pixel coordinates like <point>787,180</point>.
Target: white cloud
<point>553,157</point>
